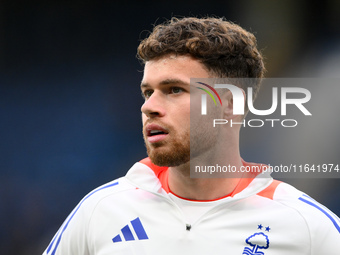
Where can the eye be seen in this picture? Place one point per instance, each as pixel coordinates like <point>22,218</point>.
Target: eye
<point>147,93</point>
<point>176,90</point>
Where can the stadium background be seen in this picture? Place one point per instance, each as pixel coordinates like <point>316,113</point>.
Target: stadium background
<point>70,100</point>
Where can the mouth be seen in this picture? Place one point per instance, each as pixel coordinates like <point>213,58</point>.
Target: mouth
<point>155,133</point>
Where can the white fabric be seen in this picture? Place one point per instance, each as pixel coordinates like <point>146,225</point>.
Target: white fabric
<point>193,210</point>
<point>290,223</point>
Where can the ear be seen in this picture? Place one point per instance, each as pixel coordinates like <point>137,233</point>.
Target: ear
<point>228,105</point>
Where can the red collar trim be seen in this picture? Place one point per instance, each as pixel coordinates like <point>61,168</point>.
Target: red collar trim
<point>212,200</point>
<point>162,174</point>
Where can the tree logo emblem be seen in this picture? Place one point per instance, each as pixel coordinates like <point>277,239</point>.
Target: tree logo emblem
<point>257,241</point>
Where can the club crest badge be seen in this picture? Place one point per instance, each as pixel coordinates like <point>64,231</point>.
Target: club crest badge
<point>258,242</point>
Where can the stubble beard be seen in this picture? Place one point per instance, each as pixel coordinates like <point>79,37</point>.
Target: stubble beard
<point>172,153</point>
<point>180,148</point>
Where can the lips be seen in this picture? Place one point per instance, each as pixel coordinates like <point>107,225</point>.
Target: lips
<point>155,133</point>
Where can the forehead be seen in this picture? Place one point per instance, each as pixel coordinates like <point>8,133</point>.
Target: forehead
<point>173,67</point>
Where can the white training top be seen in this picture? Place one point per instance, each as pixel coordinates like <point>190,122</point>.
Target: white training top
<point>193,210</point>
<point>136,214</point>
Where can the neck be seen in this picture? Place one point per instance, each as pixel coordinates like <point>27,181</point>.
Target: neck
<point>201,189</point>
<point>182,185</point>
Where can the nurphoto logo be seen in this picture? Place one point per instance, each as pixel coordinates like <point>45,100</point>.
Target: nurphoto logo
<point>295,96</point>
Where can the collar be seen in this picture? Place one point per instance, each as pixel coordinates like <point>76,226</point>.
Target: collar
<point>251,184</point>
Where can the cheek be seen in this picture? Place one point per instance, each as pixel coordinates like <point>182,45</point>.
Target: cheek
<point>186,109</point>
<point>183,115</point>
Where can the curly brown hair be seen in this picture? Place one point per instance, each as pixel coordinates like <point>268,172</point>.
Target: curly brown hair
<point>224,48</point>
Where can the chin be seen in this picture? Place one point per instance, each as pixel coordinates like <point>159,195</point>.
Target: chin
<point>169,159</point>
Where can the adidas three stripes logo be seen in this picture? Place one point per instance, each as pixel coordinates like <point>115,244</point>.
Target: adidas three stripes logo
<point>127,233</point>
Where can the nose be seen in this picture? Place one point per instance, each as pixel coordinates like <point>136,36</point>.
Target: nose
<point>154,105</point>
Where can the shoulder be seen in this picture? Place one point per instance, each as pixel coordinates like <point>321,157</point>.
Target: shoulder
<point>88,204</point>
<point>112,189</point>
<point>71,237</point>
<point>322,224</point>
<point>290,197</point>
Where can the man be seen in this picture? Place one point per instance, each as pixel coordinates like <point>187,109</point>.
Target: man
<point>157,208</point>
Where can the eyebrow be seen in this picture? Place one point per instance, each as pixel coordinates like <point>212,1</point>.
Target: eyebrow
<point>166,82</point>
